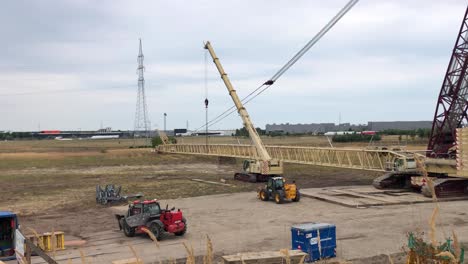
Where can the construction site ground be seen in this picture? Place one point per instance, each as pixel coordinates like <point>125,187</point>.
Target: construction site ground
<point>51,187</point>
<point>241,223</point>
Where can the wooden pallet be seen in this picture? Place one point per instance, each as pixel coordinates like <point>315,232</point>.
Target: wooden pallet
<point>264,257</point>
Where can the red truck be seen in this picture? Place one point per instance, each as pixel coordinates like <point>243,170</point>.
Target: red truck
<point>149,215</point>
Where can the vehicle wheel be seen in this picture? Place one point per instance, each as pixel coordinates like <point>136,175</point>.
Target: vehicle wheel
<point>128,231</point>
<point>181,233</point>
<point>298,197</point>
<point>279,199</point>
<point>264,196</point>
<point>157,231</point>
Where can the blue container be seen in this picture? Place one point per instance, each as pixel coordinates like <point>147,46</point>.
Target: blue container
<point>8,226</point>
<point>316,239</point>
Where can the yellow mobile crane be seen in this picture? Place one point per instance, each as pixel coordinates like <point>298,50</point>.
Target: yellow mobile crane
<point>263,167</point>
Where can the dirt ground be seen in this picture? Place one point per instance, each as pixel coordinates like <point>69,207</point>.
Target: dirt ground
<point>51,185</point>
<point>48,194</point>
<point>242,223</point>
<point>36,183</point>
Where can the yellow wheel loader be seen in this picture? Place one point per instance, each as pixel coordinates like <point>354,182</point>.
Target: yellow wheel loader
<point>276,189</point>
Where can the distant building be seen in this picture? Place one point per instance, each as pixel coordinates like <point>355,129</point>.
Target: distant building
<point>226,132</point>
<point>299,128</point>
<point>321,128</point>
<point>105,130</point>
<point>400,125</point>
<point>314,128</point>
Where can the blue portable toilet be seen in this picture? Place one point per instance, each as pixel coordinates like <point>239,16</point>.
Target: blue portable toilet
<point>8,226</point>
<point>316,239</point>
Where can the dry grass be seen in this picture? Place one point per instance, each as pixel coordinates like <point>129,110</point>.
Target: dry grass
<point>435,212</point>
<point>452,258</point>
<point>53,241</point>
<point>432,225</point>
<point>456,245</point>
<point>286,256</point>
<point>152,236</point>
<point>208,258</point>
<point>242,260</point>
<point>390,259</point>
<point>82,257</point>
<point>135,255</point>
<point>190,254</point>
<point>449,255</point>
<point>38,238</point>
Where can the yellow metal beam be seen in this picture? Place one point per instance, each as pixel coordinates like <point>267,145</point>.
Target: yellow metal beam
<point>372,160</point>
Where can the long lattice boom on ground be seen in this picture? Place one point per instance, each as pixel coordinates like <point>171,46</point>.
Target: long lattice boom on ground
<point>372,160</point>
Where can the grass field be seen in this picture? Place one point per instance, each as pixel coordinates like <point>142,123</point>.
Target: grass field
<point>43,146</point>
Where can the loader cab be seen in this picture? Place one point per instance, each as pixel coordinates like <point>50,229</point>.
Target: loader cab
<point>150,207</point>
<point>275,183</point>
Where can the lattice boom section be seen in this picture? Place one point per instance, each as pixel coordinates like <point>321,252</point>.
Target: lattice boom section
<point>374,160</point>
<point>237,151</point>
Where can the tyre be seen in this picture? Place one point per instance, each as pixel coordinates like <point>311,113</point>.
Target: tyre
<point>279,198</point>
<point>128,231</point>
<point>264,195</point>
<point>156,230</point>
<point>181,233</point>
<point>298,197</point>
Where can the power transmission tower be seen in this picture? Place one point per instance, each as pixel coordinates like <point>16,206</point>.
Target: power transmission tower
<point>142,125</point>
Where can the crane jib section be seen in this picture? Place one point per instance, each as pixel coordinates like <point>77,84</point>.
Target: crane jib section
<point>372,160</point>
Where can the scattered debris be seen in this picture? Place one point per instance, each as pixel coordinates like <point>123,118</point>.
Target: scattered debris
<point>111,194</point>
<point>212,182</point>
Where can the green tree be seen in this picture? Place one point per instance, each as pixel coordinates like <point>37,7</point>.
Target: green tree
<point>356,138</point>
<point>242,132</point>
<point>260,131</point>
<point>156,141</point>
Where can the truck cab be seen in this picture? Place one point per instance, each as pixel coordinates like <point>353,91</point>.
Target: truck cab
<point>8,226</point>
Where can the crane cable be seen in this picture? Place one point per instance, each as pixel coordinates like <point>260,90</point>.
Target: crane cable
<point>286,67</point>
<point>312,42</point>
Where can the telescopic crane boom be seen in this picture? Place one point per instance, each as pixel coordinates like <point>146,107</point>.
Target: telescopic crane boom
<point>264,166</point>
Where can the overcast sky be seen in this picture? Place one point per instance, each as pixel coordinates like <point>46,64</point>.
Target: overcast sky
<point>72,64</point>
